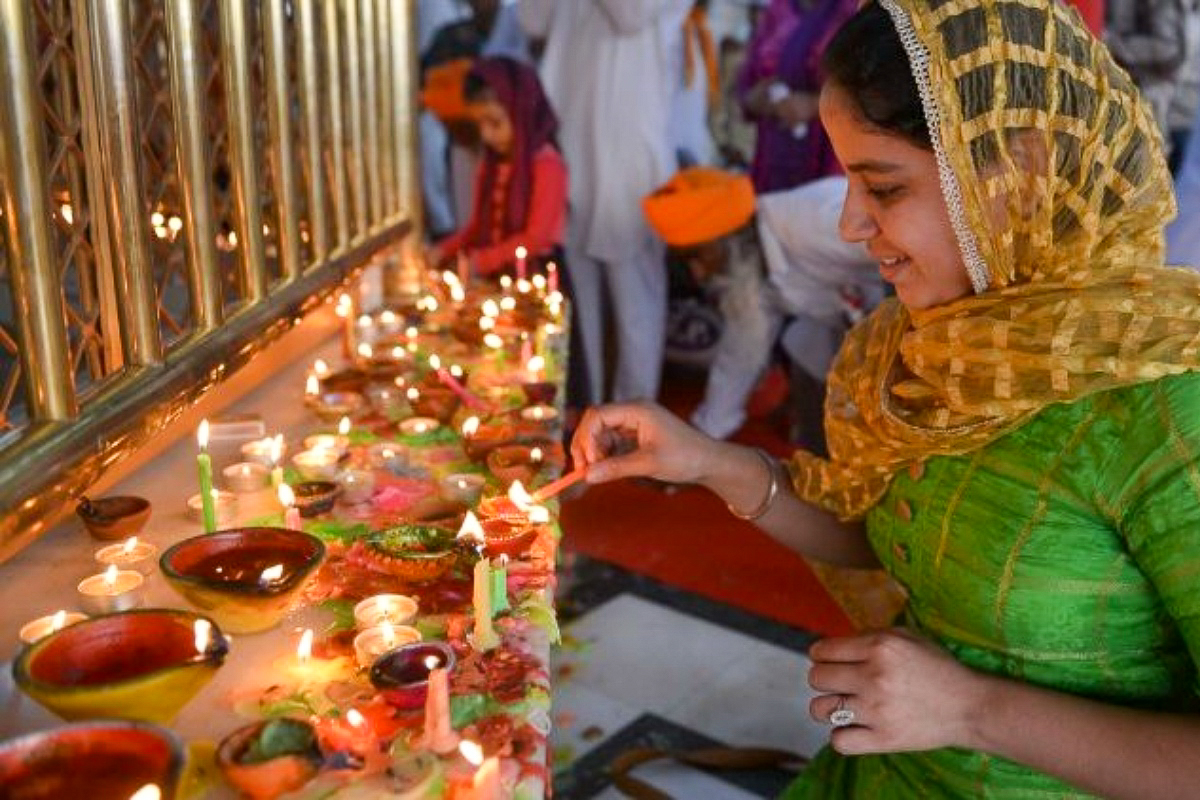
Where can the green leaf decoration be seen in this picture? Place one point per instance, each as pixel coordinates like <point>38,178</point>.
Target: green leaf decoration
<point>343,614</point>
<point>466,708</point>
<point>280,737</point>
<point>360,436</point>
<point>332,530</point>
<point>441,435</point>
<point>540,614</point>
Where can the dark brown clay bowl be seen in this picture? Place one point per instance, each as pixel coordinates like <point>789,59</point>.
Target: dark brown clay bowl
<point>402,675</point>
<point>316,497</point>
<point>113,518</point>
<point>103,760</point>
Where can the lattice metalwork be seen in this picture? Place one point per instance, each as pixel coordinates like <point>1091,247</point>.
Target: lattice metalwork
<point>13,414</point>
<point>70,210</point>
<point>163,213</point>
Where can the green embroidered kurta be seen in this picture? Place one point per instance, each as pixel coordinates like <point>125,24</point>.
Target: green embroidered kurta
<point>1066,554</point>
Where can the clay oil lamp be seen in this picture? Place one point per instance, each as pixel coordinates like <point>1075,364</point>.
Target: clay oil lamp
<point>314,498</point>
<point>111,518</point>
<point>413,553</point>
<point>266,759</point>
<point>481,437</point>
<point>438,402</point>
<point>144,664</point>
<point>392,456</point>
<point>331,406</point>
<point>244,577</point>
<point>402,675</point>
<point>101,760</point>
<point>387,400</point>
<point>419,426</point>
<point>464,488</point>
<point>346,380</point>
<point>516,462</point>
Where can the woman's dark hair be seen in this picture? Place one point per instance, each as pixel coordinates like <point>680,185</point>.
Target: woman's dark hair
<point>866,59</point>
<point>476,89</point>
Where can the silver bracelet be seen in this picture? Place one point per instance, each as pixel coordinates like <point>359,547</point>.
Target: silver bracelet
<point>772,491</point>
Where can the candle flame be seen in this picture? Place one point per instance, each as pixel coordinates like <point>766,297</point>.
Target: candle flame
<point>490,308</point>
<point>365,350</point>
<point>519,497</point>
<point>364,321</point>
<point>344,426</point>
<point>175,224</point>
<point>58,620</point>
<point>503,559</point>
<point>535,455</point>
<point>312,386</point>
<point>400,382</point>
<point>435,362</point>
<point>130,544</point>
<point>539,515</point>
<point>67,214</point>
<point>486,323</point>
<point>202,633</point>
<point>110,576</point>
<point>471,751</point>
<point>449,278</point>
<point>413,393</point>
<point>148,792</point>
<point>432,663</point>
<point>539,282</point>
<point>508,303</point>
<point>535,365</point>
<point>389,453</point>
<point>271,574</point>
<point>276,448</point>
<point>457,294</point>
<point>287,498</point>
<point>471,529</point>
<point>411,332</point>
<point>355,718</point>
<point>493,341</point>
<point>523,286</point>
<point>157,219</point>
<point>456,370</point>
<point>389,635</point>
<point>397,352</point>
<point>505,282</point>
<point>522,252</point>
<point>319,366</point>
<point>304,648</point>
<point>470,426</point>
<point>202,435</point>
<point>388,317</point>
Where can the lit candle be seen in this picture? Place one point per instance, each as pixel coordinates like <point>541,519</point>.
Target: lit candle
<point>464,268</point>
<point>462,487</point>
<point>44,626</point>
<point>552,277</point>
<point>389,609</point>
<point>114,590</point>
<point>522,253</point>
<point>150,791</point>
<point>499,591</point>
<point>539,413</point>
<point>305,671</point>
<point>245,477</point>
<point>438,736</point>
<point>130,554</point>
<point>204,467</point>
<point>312,389</point>
<point>225,503</point>
<point>291,514</point>
<point>484,636</point>
<point>320,368</point>
<point>486,783</point>
<point>535,368</point>
<point>452,383</point>
<point>352,733</point>
<point>276,459</point>
<point>344,426</point>
<point>373,642</point>
<point>470,531</point>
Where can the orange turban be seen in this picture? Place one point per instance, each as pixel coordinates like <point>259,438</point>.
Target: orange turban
<point>443,92</point>
<point>699,204</point>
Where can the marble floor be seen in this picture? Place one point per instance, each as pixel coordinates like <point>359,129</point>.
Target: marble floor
<point>646,665</point>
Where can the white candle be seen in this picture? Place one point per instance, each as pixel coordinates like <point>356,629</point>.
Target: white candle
<point>130,554</point>
<point>438,736</point>
<point>390,609</point>
<point>484,636</point>
<point>373,642</point>
<point>291,514</point>
<point>245,476</point>
<point>522,253</point>
<point>113,590</point>
<point>225,504</point>
<point>44,626</point>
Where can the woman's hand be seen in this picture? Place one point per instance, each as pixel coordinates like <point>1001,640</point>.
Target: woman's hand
<point>905,692</point>
<point>639,440</point>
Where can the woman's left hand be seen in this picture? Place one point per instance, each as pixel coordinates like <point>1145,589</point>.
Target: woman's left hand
<point>904,691</point>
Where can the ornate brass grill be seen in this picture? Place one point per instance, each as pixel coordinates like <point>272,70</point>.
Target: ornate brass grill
<point>181,179</point>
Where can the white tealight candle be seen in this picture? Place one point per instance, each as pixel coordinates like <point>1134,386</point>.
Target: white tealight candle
<point>246,476</point>
<point>130,554</point>
<point>113,590</point>
<point>334,442</point>
<point>462,487</point>
<point>358,485</point>
<point>373,642</point>
<point>225,503</point>
<point>44,626</point>
<point>389,609</point>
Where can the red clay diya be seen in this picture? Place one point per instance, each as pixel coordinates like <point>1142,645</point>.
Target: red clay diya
<point>437,401</point>
<point>346,380</point>
<point>539,392</point>
<point>504,537</point>
<point>266,759</point>
<point>144,664</point>
<point>515,462</point>
<point>402,675</point>
<point>244,577</point>
<point>413,553</point>
<point>113,518</point>
<point>487,437</point>
<point>104,760</point>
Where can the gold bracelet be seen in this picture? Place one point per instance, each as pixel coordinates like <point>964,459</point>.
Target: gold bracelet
<point>772,491</point>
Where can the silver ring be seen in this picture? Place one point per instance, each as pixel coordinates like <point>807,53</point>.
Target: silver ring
<point>841,716</point>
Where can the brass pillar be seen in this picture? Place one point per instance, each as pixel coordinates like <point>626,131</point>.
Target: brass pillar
<point>402,276</point>
<point>374,109</point>
<point>387,99</point>
<point>235,64</point>
<point>358,139</point>
<point>33,264</point>
<point>194,162</point>
<point>310,103</point>
<point>119,143</point>
<point>337,130</point>
<point>283,148</point>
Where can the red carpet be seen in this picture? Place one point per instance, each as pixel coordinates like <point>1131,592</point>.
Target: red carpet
<point>689,540</point>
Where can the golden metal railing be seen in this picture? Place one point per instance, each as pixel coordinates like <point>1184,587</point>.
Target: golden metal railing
<point>181,179</point>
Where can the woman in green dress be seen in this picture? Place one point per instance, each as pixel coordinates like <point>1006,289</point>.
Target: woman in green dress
<point>1015,436</point>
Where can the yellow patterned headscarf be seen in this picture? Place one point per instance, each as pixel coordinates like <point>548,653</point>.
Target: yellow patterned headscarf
<point>1052,170</point>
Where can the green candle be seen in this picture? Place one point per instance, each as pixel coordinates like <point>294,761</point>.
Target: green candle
<point>499,578</point>
<point>204,466</point>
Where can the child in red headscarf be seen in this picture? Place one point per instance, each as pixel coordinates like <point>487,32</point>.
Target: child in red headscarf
<point>521,186</point>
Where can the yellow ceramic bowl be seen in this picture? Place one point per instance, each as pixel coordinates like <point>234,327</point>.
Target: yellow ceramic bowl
<point>142,664</point>
<point>103,760</point>
<point>245,578</point>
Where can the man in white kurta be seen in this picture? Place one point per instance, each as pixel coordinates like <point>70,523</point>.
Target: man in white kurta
<point>609,70</point>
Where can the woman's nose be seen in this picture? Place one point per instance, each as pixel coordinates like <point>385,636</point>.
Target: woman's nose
<point>856,224</point>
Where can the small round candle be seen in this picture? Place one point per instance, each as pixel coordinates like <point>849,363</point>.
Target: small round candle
<point>112,590</point>
<point>415,426</point>
<point>373,642</point>
<point>246,476</point>
<point>224,503</point>
<point>392,609</point>
<point>130,554</point>
<point>44,626</point>
<point>260,451</point>
<point>333,442</point>
<point>462,487</point>
<point>388,455</point>
<point>358,485</point>
<point>316,465</point>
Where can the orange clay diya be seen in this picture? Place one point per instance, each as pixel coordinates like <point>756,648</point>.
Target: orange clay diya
<point>244,577</point>
<point>413,553</point>
<point>266,759</point>
<point>102,760</point>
